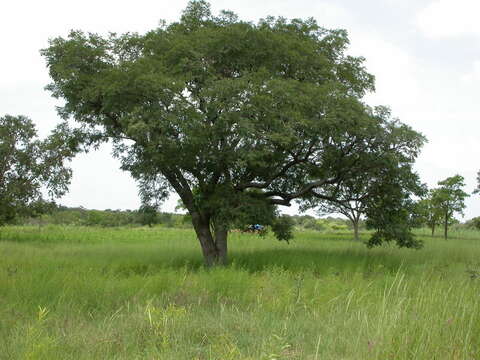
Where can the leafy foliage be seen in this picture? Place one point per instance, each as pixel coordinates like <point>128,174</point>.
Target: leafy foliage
<point>391,210</point>
<point>427,213</point>
<point>282,227</point>
<point>388,160</point>
<point>148,215</point>
<point>473,223</point>
<point>29,165</point>
<point>476,222</point>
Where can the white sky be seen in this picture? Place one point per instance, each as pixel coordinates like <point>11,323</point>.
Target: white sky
<point>425,55</point>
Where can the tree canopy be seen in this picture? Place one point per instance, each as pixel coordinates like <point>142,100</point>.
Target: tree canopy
<point>30,168</point>
<point>230,115</point>
<point>428,213</point>
<point>449,199</point>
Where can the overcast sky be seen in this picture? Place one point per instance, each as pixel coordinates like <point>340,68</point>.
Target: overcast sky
<point>425,55</point>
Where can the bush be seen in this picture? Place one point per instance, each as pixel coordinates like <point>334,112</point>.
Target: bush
<point>473,223</point>
<point>314,224</point>
<point>282,227</point>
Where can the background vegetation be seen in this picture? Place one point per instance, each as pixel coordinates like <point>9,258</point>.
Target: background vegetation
<point>80,216</point>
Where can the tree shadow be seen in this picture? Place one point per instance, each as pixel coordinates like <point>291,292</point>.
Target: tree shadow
<point>317,260</point>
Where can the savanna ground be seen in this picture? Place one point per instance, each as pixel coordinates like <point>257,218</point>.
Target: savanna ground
<point>139,293</point>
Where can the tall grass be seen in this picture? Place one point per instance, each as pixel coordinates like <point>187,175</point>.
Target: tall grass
<point>91,293</point>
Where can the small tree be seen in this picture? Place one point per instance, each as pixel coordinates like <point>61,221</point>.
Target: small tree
<point>449,199</point>
<point>148,215</point>
<point>428,213</point>
<point>352,209</point>
<point>390,209</point>
<point>28,166</point>
<point>476,222</point>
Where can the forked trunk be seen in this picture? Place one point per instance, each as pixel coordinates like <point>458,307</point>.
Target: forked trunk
<point>210,254</point>
<point>214,247</point>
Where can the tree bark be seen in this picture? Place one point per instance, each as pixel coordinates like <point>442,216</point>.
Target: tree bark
<point>433,229</point>
<point>355,230</point>
<point>204,236</point>
<point>221,234</point>
<point>214,248</point>
<point>207,243</point>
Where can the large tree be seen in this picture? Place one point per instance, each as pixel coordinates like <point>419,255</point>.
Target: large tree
<point>231,115</point>
<point>30,168</point>
<point>428,213</point>
<point>449,199</point>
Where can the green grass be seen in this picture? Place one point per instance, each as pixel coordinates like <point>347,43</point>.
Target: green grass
<point>92,293</point>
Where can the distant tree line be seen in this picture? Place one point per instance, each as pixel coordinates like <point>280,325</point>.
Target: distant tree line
<point>144,216</point>
<point>79,216</point>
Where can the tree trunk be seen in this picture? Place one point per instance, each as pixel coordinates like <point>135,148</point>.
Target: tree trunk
<point>207,243</point>
<point>355,230</point>
<point>214,249</point>
<point>221,234</point>
<point>433,229</point>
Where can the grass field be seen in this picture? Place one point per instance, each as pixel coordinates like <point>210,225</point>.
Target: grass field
<point>91,293</point>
